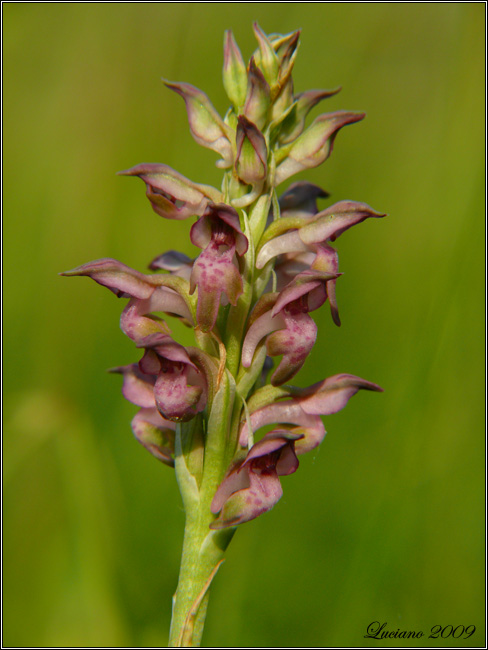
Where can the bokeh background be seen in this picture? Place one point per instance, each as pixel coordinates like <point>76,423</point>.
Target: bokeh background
<point>386,521</point>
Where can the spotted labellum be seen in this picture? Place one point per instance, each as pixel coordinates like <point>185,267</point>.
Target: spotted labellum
<point>263,261</point>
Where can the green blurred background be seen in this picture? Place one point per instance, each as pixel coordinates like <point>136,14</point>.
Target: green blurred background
<point>386,521</point>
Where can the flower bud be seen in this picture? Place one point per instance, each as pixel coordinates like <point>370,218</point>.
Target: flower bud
<point>252,154</point>
<point>234,73</point>
<point>258,97</point>
<point>265,57</point>
<point>206,125</point>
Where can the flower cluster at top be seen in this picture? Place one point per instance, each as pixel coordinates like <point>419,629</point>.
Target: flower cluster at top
<point>265,263</point>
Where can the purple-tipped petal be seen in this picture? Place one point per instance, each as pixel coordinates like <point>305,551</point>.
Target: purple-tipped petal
<point>327,260</point>
<point>325,226</point>
<point>290,265</point>
<point>155,434</point>
<point>315,144</point>
<point>118,277</point>
<point>294,124</point>
<point>330,223</point>
<point>206,125</point>
<point>286,52</point>
<point>332,394</point>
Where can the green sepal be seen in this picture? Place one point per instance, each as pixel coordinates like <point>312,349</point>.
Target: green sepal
<point>267,395</point>
<point>280,226</point>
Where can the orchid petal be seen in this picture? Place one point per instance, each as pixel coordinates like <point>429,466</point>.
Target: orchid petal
<point>118,277</point>
<point>135,325</point>
<point>175,399</point>
<point>290,242</point>
<point>332,394</point>
<point>300,287</point>
<point>166,348</point>
<point>214,273</point>
<point>176,263</point>
<point>206,125</point>
<point>276,440</point>
<point>294,343</point>
<point>332,222</point>
<point>261,327</point>
<point>252,154</point>
<point>253,487</point>
<point>258,99</point>
<point>209,226</point>
<point>171,194</point>
<point>287,412</point>
<point>315,144</point>
<point>137,388</point>
<point>294,124</point>
<point>264,491</point>
<point>300,199</point>
<point>266,58</point>
<point>155,434</point>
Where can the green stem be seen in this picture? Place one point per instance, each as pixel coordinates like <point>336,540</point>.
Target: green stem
<point>203,548</point>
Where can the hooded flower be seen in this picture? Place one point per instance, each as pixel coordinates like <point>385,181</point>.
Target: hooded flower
<point>304,406</point>
<point>171,194</point>
<point>310,229</point>
<point>252,486</point>
<point>156,434</point>
<point>283,318</point>
<point>215,271</point>
<point>206,125</point>
<point>290,270</point>
<point>150,428</point>
<point>165,379</point>
<point>148,294</point>
<point>314,145</point>
<point>179,387</point>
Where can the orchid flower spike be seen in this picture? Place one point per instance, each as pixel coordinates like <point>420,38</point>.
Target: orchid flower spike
<point>255,269</point>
